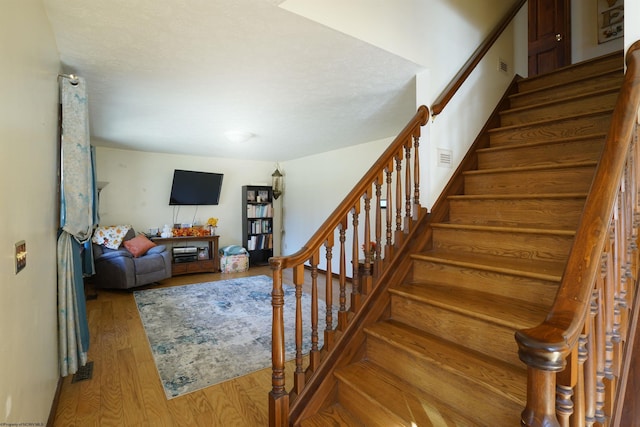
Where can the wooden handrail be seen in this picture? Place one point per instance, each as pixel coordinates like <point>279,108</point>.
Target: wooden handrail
<point>419,119</point>
<point>546,347</point>
<point>474,60</point>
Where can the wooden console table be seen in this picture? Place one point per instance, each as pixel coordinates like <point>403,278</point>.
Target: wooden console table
<point>208,265</point>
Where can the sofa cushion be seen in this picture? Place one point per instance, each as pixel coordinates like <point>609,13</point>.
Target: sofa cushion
<point>139,245</point>
<point>110,236</point>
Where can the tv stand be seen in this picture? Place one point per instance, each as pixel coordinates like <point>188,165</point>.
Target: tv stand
<point>207,265</point>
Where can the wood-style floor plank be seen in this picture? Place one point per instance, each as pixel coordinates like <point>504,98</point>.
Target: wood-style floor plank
<point>126,390</point>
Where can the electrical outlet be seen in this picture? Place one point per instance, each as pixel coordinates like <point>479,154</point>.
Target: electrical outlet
<point>21,256</point>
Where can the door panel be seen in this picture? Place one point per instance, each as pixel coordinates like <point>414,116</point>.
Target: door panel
<point>549,35</point>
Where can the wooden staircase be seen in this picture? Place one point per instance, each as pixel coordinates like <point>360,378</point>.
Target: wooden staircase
<point>444,352</point>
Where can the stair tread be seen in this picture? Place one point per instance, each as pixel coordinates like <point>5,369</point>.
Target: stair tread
<point>395,395</point>
<point>538,196</point>
<point>500,377</point>
<point>531,168</point>
<point>579,70</point>
<point>496,309</point>
<point>547,121</point>
<point>530,267</point>
<point>542,143</point>
<point>559,101</point>
<point>505,229</point>
<point>617,72</point>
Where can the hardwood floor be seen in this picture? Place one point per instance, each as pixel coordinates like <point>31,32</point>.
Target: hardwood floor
<point>125,389</point>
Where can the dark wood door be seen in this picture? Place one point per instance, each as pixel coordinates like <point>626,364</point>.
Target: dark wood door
<point>549,35</point>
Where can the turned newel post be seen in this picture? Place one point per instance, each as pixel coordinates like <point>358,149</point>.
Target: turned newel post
<point>278,397</point>
<point>540,410</point>
<point>544,361</point>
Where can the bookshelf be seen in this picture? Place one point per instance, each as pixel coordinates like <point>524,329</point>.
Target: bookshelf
<point>257,223</point>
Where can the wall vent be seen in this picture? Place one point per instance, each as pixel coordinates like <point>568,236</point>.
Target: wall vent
<point>444,158</point>
<point>502,66</point>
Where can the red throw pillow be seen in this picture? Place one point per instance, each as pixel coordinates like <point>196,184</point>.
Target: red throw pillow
<point>139,245</point>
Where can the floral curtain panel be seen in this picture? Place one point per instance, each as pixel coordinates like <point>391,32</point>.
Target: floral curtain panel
<point>77,219</point>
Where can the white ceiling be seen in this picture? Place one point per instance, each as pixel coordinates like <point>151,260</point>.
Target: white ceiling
<point>173,76</point>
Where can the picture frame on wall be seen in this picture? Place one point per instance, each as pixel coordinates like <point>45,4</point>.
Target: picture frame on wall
<point>610,20</point>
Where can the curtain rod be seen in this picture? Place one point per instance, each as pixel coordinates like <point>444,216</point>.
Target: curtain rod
<point>73,79</point>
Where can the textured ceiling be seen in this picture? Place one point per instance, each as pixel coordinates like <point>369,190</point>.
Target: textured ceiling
<point>174,75</point>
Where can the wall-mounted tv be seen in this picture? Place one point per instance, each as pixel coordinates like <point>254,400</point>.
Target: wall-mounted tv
<point>195,188</point>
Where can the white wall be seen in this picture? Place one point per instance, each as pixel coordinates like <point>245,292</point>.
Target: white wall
<point>315,185</point>
<point>631,23</point>
<point>139,184</point>
<point>28,129</point>
<point>584,31</point>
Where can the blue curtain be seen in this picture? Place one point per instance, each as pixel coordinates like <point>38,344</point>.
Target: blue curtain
<point>77,220</point>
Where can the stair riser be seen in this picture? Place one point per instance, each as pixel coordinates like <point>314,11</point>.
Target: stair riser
<point>496,283</point>
<point>606,81</point>
<point>544,131</point>
<point>538,155</point>
<point>557,213</point>
<point>454,390</point>
<point>463,330</point>
<point>560,109</point>
<point>571,74</point>
<point>566,180</point>
<point>508,244</point>
<point>371,414</point>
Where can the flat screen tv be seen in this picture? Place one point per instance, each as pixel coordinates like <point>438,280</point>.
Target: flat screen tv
<point>195,188</point>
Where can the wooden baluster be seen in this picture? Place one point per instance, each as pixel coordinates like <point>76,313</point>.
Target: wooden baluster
<point>356,296</point>
<point>365,279</point>
<point>314,354</point>
<point>540,411</point>
<point>377,265</point>
<point>398,194</point>
<point>565,383</point>
<point>416,175</point>
<point>329,332</point>
<point>599,354</point>
<point>408,217</point>
<point>389,211</point>
<point>298,375</point>
<point>579,417</point>
<point>590,367</point>
<point>342,312</point>
<point>607,304</point>
<point>278,397</point>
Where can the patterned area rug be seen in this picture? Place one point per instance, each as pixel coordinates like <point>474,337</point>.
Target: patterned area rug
<point>206,333</point>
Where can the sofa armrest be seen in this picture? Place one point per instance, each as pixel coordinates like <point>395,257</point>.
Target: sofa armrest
<point>110,255</point>
<point>157,249</point>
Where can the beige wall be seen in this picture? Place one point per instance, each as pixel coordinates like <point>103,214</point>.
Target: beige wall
<point>28,129</point>
<point>139,184</point>
<point>584,31</point>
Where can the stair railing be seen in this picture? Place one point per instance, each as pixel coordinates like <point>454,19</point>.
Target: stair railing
<point>393,178</point>
<point>578,357</point>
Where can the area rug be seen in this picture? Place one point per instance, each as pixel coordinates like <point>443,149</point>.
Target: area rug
<point>206,333</point>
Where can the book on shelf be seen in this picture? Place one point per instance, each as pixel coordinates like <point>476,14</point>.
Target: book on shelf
<point>260,226</point>
<point>260,211</point>
<point>260,241</point>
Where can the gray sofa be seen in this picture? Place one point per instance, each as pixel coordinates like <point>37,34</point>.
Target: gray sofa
<point>119,269</point>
